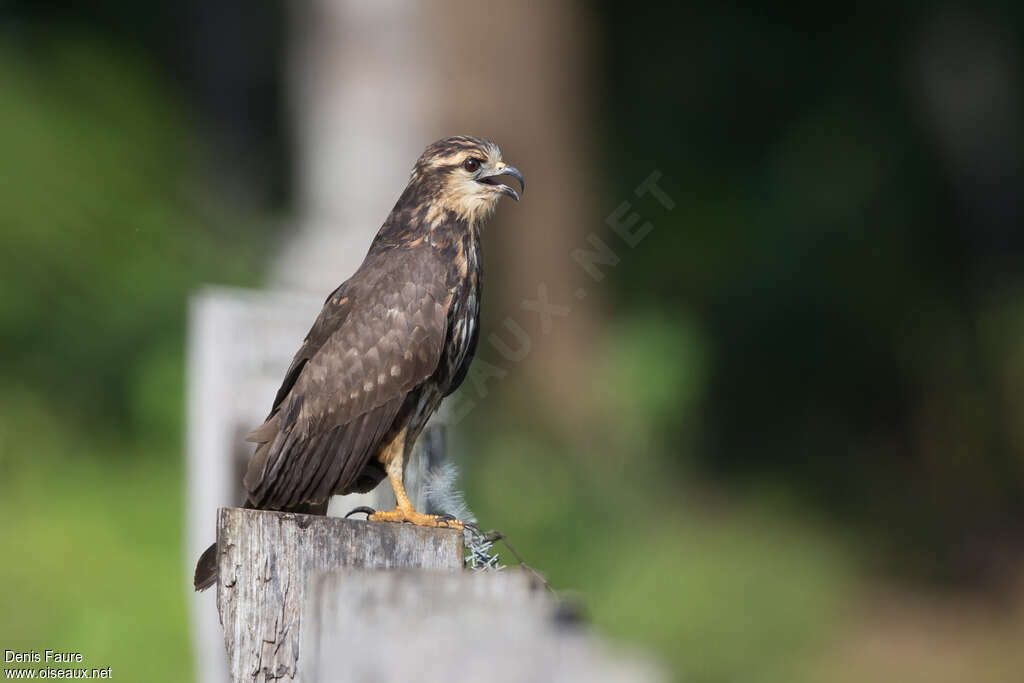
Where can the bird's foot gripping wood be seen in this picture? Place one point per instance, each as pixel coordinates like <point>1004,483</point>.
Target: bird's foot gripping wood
<point>408,514</point>
<point>418,518</point>
<point>393,456</point>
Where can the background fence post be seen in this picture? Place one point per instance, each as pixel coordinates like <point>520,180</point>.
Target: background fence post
<point>439,627</point>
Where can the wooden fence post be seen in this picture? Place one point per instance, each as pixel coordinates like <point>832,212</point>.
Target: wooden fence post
<point>440,627</point>
<point>264,559</point>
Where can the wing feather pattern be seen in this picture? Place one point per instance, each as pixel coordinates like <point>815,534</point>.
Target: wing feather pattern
<point>378,337</point>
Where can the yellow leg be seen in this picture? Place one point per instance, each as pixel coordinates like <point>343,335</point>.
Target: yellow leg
<point>393,457</point>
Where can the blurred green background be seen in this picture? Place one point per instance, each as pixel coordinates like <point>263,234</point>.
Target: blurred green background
<point>802,457</point>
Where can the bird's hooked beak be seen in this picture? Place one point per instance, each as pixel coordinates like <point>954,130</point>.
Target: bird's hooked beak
<point>500,169</point>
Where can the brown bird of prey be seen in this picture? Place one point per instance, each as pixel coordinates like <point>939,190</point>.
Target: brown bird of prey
<point>389,344</point>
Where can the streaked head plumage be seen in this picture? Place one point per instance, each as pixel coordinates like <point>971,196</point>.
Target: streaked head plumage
<point>462,175</point>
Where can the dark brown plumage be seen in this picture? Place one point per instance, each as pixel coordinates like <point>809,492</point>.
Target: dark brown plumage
<point>389,344</point>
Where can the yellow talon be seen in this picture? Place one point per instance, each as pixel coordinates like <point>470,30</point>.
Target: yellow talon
<point>401,514</point>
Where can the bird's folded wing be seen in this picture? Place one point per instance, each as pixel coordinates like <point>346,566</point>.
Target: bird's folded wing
<point>378,337</point>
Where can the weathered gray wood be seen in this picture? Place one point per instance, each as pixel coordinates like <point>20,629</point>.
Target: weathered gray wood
<point>239,347</point>
<point>438,627</point>
<point>264,559</point>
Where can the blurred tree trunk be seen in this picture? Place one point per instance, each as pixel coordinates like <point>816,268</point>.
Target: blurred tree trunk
<point>360,82</point>
<point>522,74</point>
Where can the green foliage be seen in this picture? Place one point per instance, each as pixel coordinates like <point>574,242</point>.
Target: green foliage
<point>847,257</point>
<point>744,586</point>
<point>104,227</point>
<point>93,545</point>
<point>651,377</point>
<point>737,590</point>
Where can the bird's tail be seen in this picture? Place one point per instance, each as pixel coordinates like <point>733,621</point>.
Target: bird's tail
<point>206,569</point>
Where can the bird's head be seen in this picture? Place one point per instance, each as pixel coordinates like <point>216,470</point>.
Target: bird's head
<point>461,175</point>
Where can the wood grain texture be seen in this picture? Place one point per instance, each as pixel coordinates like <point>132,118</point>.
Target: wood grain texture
<point>265,558</point>
<point>437,627</point>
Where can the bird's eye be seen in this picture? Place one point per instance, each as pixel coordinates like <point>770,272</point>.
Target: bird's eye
<point>471,164</point>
